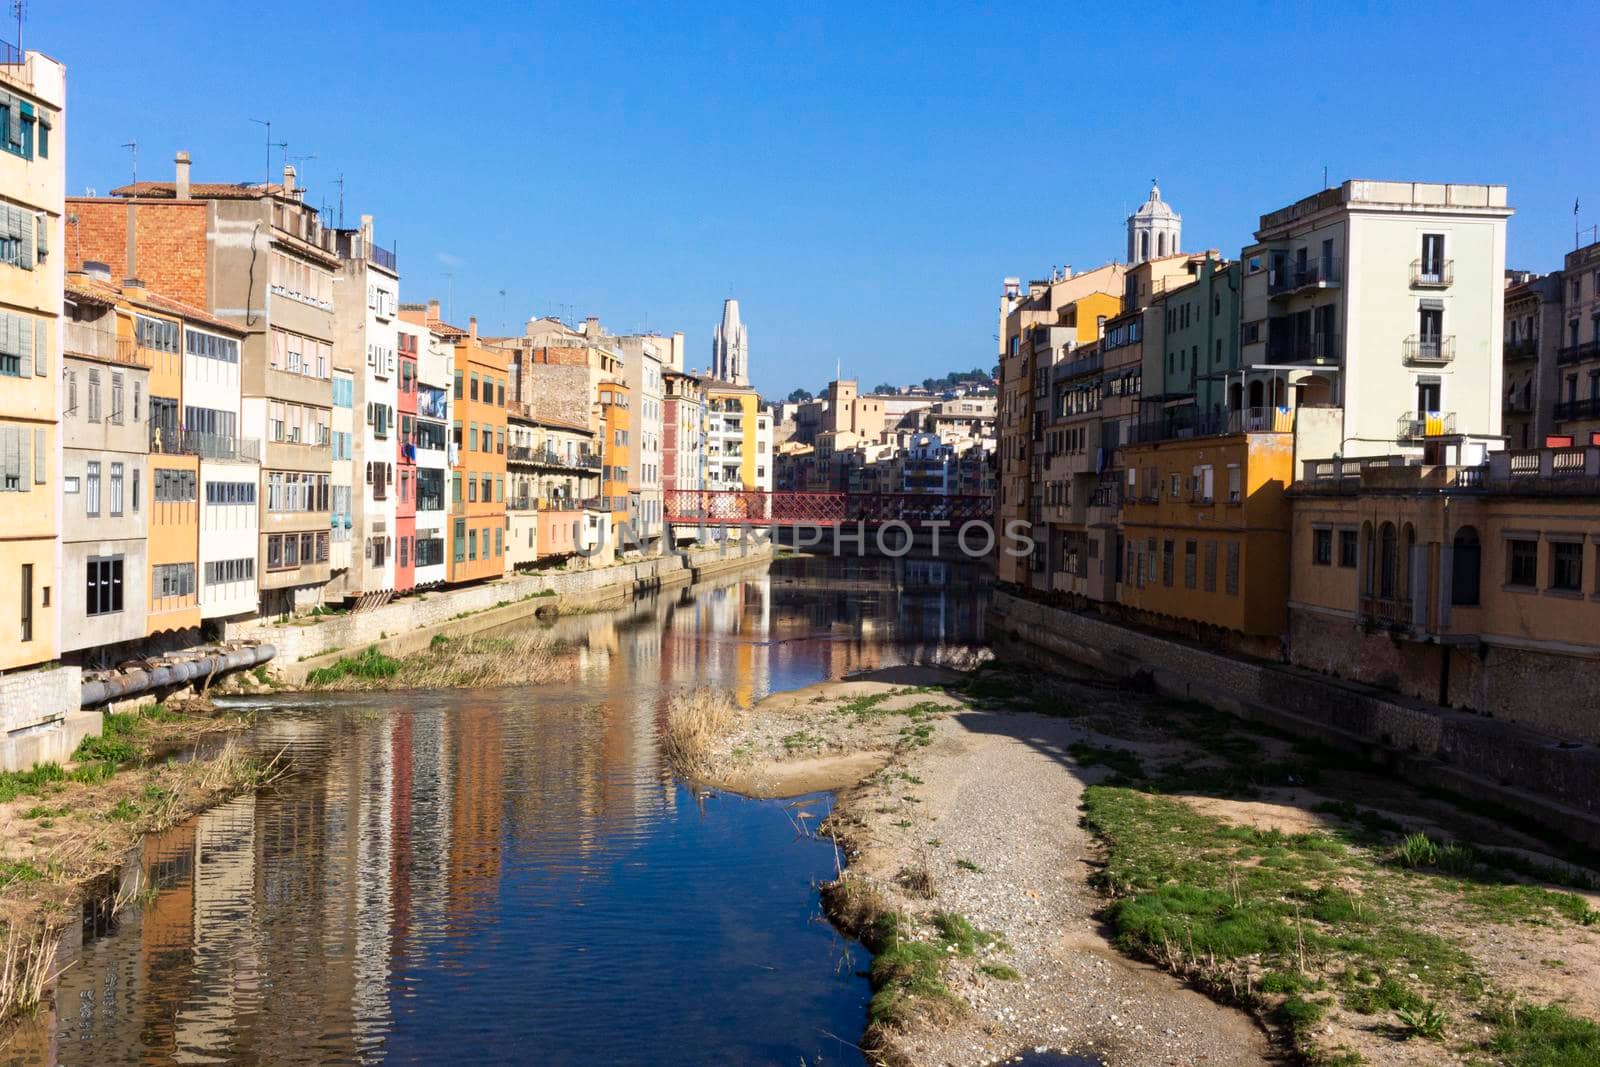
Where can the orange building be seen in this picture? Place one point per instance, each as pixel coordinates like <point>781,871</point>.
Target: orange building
<point>1206,527</point>
<point>477,547</point>
<point>173,550</point>
<point>616,423</point>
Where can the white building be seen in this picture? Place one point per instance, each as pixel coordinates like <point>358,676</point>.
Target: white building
<point>435,376</point>
<point>765,460</point>
<point>643,359</point>
<point>230,474</point>
<point>1376,310</point>
<point>366,313</point>
<point>1154,230</point>
<point>343,448</point>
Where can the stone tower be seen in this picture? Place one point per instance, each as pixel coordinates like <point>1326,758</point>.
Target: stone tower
<point>1153,230</point>
<point>730,347</point>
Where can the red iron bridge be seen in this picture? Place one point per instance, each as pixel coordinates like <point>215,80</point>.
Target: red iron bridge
<point>750,507</point>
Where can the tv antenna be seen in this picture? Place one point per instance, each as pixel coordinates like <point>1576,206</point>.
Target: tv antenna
<point>133,150</point>
<point>502,311</point>
<point>339,181</point>
<point>268,124</point>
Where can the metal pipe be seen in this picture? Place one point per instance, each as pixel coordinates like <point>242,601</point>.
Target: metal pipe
<point>136,682</point>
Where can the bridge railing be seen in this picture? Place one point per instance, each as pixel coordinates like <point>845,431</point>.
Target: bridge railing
<point>749,507</point>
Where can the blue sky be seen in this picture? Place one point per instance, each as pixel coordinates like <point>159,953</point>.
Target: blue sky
<point>861,176</point>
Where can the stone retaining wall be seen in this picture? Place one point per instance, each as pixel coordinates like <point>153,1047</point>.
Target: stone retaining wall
<point>1552,782</point>
<point>406,625</point>
<point>40,720</point>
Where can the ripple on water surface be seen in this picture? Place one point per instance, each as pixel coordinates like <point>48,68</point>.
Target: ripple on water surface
<point>512,875</point>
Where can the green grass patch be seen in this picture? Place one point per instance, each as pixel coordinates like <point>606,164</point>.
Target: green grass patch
<point>44,811</point>
<point>1000,971</point>
<point>19,871</point>
<point>1530,1036</point>
<point>32,782</point>
<point>968,865</point>
<point>368,664</point>
<point>1119,760</point>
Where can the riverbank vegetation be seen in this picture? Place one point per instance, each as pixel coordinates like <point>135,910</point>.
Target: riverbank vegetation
<point>65,827</point>
<point>696,723</point>
<point>473,662</point>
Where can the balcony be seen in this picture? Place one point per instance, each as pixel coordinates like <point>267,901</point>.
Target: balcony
<point>90,343</point>
<point>1587,408</point>
<point>1290,349</point>
<point>1181,423</point>
<point>384,257</point>
<point>1435,274</point>
<point>1523,405</point>
<point>546,456</point>
<point>164,440</point>
<point>1416,426</point>
<point>1078,367</point>
<point>1527,348</point>
<point>1392,612</point>
<point>1579,353</point>
<point>1431,350</point>
<point>1560,471</point>
<point>1313,274</point>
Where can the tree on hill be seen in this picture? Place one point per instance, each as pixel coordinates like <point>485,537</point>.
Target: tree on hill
<point>799,396</point>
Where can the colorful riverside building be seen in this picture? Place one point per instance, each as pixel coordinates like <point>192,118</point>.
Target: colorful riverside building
<point>430,441</point>
<point>478,428</point>
<point>616,425</point>
<point>408,344</point>
<point>258,257</point>
<point>160,522</point>
<point>366,305</point>
<point>32,177</point>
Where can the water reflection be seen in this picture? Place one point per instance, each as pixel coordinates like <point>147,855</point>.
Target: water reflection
<point>512,875</point>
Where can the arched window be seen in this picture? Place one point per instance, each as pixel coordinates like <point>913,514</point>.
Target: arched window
<point>1408,539</point>
<point>1144,246</point>
<point>1161,244</point>
<point>1388,561</point>
<point>1370,550</point>
<point>1466,568</point>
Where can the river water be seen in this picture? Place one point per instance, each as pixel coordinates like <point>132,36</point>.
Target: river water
<point>514,876</point>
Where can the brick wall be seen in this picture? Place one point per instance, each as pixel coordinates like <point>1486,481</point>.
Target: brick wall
<point>170,243</point>
<point>1470,755</point>
<point>558,392</point>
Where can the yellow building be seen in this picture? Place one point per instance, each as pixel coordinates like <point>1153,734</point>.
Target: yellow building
<point>616,425</point>
<point>1206,536</point>
<point>32,134</point>
<point>739,438</point>
<point>1468,580</point>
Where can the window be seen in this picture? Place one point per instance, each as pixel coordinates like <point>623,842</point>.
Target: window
<point>1166,563</point>
<point>1191,558</point>
<point>474,387</point>
<point>1465,565</point>
<point>1433,257</point>
<point>116,489</point>
<point>1235,484</point>
<point>1348,548</point>
<point>172,580</point>
<point>91,501</point>
<point>1522,562</point>
<point>27,601</point>
<point>1211,566</point>
<point>1322,547</point>
<point>222,571</point>
<point>1231,578</point>
<point>1566,566</point>
<point>103,585</point>
<point>472,544</point>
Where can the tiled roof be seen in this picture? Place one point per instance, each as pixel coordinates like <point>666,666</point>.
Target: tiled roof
<point>197,190</point>
<point>106,294</point>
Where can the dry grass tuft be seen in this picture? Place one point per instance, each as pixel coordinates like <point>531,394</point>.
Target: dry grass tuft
<point>695,723</point>
<point>476,662</point>
<point>26,969</point>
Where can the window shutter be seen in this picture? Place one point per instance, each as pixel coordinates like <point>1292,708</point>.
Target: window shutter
<point>42,225</point>
<point>41,346</point>
<point>21,460</point>
<point>24,344</point>
<point>25,233</point>
<point>38,457</point>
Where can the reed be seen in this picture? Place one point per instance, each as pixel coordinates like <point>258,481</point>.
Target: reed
<point>449,663</point>
<point>695,723</point>
<point>26,969</point>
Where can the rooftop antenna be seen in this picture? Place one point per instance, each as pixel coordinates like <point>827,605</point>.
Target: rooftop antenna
<point>1324,175</point>
<point>17,7</point>
<point>133,149</point>
<point>502,311</point>
<point>268,124</point>
<point>298,159</point>
<point>339,181</point>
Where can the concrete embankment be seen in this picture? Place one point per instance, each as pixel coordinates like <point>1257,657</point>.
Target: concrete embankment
<point>1552,783</point>
<point>408,626</point>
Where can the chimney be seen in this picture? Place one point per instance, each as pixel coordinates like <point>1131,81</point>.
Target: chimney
<point>288,178</point>
<point>181,187</point>
<point>134,289</point>
<point>433,311</point>
<point>472,328</point>
<point>366,235</point>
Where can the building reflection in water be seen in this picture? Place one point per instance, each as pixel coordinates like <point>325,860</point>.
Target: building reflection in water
<point>440,865</point>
